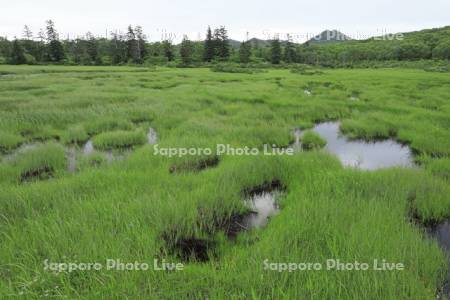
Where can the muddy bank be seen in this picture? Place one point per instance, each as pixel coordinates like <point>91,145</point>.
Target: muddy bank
<point>188,248</point>
<point>41,173</point>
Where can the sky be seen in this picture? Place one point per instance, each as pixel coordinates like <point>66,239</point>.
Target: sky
<point>171,19</point>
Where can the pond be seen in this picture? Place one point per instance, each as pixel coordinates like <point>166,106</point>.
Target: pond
<point>361,154</point>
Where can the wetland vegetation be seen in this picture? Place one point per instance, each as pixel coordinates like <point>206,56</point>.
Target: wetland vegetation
<point>186,209</point>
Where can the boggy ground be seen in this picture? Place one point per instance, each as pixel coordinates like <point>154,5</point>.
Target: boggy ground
<point>137,209</point>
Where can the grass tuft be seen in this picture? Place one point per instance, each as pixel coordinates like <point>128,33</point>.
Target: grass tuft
<point>9,141</point>
<point>75,135</point>
<point>41,162</point>
<point>119,139</point>
<point>312,141</point>
<point>106,124</point>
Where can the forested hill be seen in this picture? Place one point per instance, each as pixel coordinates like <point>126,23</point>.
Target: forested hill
<point>424,44</point>
<point>329,36</point>
<point>330,48</point>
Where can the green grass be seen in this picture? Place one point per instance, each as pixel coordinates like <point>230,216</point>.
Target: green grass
<point>135,209</point>
<point>119,139</point>
<point>312,141</point>
<point>106,124</point>
<point>9,141</point>
<point>75,135</point>
<point>440,167</point>
<point>93,160</point>
<point>40,162</point>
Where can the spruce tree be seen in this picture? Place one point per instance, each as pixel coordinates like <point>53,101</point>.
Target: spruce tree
<point>51,31</point>
<point>168,50</point>
<point>245,51</point>
<point>289,52</point>
<point>78,51</point>
<point>275,51</point>
<point>223,46</point>
<point>27,34</point>
<point>55,50</point>
<point>92,50</point>
<point>208,52</point>
<point>17,54</point>
<point>118,49</point>
<point>141,43</point>
<point>133,53</point>
<point>186,51</point>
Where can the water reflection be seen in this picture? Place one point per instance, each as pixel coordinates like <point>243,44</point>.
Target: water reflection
<point>263,207</point>
<point>364,155</point>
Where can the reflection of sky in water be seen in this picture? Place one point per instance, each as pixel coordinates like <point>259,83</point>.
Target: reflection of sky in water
<point>152,137</point>
<point>264,205</point>
<point>88,148</point>
<point>72,159</point>
<point>364,155</point>
<point>441,233</point>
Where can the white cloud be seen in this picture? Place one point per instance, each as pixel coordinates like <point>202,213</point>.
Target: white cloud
<point>256,17</point>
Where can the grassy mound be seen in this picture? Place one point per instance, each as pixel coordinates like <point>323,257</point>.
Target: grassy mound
<point>119,139</point>
<point>312,141</point>
<point>9,141</point>
<point>107,124</point>
<point>41,162</point>
<point>75,135</point>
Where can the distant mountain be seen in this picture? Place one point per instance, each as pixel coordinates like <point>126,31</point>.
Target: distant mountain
<point>329,36</point>
<point>234,43</point>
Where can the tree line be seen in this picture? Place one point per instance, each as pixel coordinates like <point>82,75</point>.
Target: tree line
<point>132,47</point>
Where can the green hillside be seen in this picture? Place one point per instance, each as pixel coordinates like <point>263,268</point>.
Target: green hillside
<point>425,44</point>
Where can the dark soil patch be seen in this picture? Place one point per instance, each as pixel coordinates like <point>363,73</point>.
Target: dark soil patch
<point>236,224</point>
<point>189,248</point>
<point>41,173</point>
<point>266,187</point>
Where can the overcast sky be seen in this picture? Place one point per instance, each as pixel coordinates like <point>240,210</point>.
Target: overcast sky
<point>173,18</point>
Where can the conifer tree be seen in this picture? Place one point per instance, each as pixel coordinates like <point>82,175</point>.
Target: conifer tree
<point>27,34</point>
<point>55,50</point>
<point>118,49</point>
<point>223,46</point>
<point>133,53</point>
<point>168,50</point>
<point>141,42</point>
<point>92,50</point>
<point>275,51</point>
<point>289,51</point>
<point>51,31</point>
<point>245,51</point>
<point>186,51</point>
<point>17,54</point>
<point>208,52</point>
